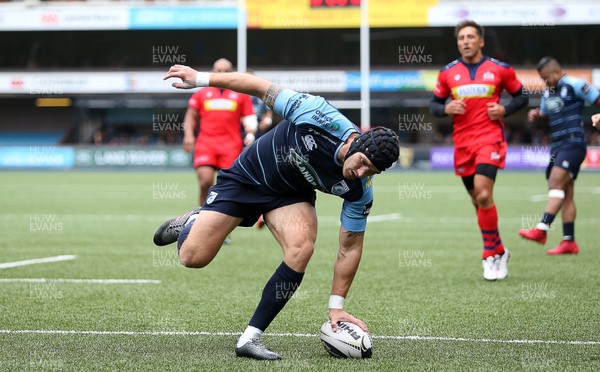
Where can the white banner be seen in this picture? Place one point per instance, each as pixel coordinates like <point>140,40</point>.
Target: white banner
<point>44,84</point>
<point>308,81</point>
<point>526,14</point>
<point>88,17</point>
<point>59,83</point>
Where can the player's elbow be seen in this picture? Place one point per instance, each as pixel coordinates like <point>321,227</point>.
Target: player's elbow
<point>436,107</point>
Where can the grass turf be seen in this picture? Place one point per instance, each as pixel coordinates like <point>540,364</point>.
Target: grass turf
<point>420,276</point>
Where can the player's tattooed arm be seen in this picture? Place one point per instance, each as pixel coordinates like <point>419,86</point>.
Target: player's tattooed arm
<point>272,94</point>
<point>354,234</point>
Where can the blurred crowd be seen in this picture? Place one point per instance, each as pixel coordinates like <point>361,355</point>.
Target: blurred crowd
<point>131,135</point>
<point>135,135</point>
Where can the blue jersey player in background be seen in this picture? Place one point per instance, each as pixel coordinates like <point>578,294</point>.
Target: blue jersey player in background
<point>314,148</point>
<point>562,104</point>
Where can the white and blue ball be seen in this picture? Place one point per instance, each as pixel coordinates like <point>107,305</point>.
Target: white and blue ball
<point>348,341</point>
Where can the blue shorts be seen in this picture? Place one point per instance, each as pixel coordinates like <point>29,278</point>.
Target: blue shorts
<point>568,156</point>
<point>238,199</point>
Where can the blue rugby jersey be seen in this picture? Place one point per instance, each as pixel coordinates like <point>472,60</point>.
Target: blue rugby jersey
<point>299,155</point>
<point>563,106</point>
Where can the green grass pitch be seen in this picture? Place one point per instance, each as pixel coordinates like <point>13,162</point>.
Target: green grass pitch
<point>420,282</point>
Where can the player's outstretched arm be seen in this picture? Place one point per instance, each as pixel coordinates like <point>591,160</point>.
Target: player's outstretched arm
<point>345,268</point>
<point>236,81</point>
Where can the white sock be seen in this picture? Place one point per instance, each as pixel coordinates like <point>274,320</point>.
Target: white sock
<point>191,219</point>
<point>543,226</point>
<point>249,333</point>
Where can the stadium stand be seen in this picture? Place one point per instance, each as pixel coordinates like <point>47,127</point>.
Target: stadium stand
<point>329,49</point>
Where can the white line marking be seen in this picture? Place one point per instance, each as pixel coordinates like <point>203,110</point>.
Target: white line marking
<point>203,333</point>
<point>93,281</point>
<point>7,265</point>
<point>378,218</point>
<point>385,217</point>
<point>539,198</point>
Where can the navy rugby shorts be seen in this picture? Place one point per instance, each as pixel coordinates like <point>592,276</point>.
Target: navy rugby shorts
<point>234,198</point>
<point>568,156</point>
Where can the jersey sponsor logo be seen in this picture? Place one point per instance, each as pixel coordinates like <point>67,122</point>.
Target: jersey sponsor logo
<point>325,121</point>
<point>211,197</point>
<point>488,75</point>
<point>367,209</point>
<point>309,174</point>
<point>220,104</point>
<point>495,156</point>
<point>340,188</point>
<point>297,102</point>
<point>309,142</point>
<point>474,91</point>
<point>334,127</point>
<point>586,88</point>
<point>554,104</point>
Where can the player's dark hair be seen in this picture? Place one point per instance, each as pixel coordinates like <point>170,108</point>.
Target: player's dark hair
<point>544,62</point>
<point>468,23</point>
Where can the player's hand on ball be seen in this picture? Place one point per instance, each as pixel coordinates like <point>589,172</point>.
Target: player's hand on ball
<point>339,315</point>
<point>185,73</point>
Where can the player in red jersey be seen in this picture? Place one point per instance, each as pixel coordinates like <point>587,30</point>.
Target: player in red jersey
<point>474,84</point>
<point>220,112</point>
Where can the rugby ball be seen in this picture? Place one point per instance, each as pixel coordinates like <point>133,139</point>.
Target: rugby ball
<point>349,340</point>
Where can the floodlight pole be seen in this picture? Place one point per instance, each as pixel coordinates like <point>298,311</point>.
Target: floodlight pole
<point>242,29</point>
<point>365,89</point>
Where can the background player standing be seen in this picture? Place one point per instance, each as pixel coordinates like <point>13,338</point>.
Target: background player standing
<point>474,83</point>
<point>220,114</point>
<point>562,104</point>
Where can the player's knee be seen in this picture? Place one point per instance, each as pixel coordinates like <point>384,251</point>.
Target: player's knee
<point>555,183</point>
<point>483,198</point>
<point>190,259</point>
<point>300,254</point>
